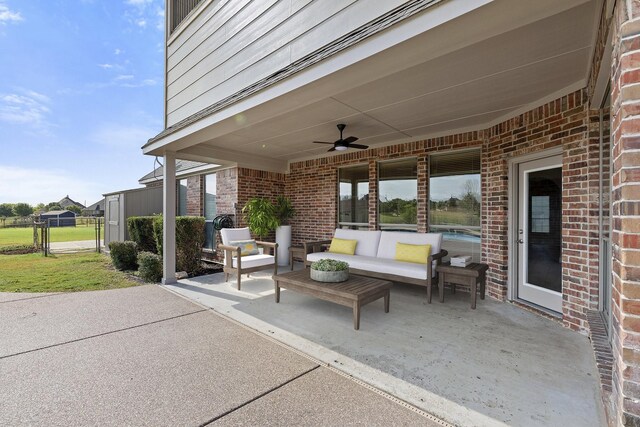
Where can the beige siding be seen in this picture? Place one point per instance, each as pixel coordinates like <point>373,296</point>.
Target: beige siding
<point>232,44</point>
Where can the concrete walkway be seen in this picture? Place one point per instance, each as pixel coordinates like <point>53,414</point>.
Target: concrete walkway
<point>75,246</point>
<point>144,356</point>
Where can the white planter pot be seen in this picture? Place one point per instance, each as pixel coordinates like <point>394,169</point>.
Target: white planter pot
<point>329,276</point>
<point>283,239</point>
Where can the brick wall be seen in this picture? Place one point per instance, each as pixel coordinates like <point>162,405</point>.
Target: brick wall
<point>625,211</point>
<point>312,185</point>
<point>565,122</point>
<point>254,183</point>
<point>226,191</point>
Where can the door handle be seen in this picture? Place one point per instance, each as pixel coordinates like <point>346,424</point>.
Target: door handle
<point>520,241</point>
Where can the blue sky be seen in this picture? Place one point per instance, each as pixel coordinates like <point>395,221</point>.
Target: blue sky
<point>81,90</point>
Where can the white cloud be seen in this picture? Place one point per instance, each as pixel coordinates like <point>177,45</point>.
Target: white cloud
<point>7,15</point>
<point>119,136</point>
<point>145,13</point>
<point>44,185</point>
<point>138,3</point>
<point>125,77</point>
<point>117,51</point>
<point>26,108</point>
<point>105,66</point>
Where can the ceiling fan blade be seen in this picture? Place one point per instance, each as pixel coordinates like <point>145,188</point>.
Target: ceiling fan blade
<point>331,149</point>
<point>350,139</point>
<point>360,146</point>
<point>322,142</point>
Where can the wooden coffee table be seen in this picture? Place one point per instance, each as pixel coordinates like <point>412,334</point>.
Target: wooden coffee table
<point>355,292</point>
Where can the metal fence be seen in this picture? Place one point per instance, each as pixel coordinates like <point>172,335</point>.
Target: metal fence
<point>52,235</point>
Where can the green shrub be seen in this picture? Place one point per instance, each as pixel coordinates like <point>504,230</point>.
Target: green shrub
<point>150,267</point>
<point>124,255</point>
<point>141,231</point>
<point>157,233</point>
<point>189,241</point>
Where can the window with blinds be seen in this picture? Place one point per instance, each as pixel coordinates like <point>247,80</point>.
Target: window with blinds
<point>454,201</point>
<point>398,192</point>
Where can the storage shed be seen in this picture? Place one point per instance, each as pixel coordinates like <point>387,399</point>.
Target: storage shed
<point>121,205</point>
<point>59,218</point>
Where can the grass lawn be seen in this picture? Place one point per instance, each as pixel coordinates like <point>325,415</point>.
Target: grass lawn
<point>60,273</point>
<point>24,236</point>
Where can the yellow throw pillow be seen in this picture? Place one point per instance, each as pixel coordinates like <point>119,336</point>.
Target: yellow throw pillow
<point>343,246</point>
<point>412,253</point>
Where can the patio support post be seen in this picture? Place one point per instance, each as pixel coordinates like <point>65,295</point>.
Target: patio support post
<point>169,223</point>
<point>625,208</point>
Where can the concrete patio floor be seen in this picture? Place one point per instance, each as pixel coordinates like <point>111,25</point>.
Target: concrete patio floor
<point>496,365</point>
<point>144,356</point>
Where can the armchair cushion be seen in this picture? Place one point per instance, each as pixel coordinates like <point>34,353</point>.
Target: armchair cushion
<point>251,261</point>
<point>234,234</point>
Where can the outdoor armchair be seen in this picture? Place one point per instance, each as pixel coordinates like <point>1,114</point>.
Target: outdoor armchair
<point>236,264</point>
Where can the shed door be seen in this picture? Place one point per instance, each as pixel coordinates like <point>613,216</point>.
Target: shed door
<point>113,221</point>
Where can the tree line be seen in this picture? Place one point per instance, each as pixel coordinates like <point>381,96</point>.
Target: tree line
<point>25,209</point>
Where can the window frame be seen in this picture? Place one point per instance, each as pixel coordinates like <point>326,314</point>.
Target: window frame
<point>348,224</point>
<point>380,224</point>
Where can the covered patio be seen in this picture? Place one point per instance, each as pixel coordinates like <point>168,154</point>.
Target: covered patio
<point>536,101</point>
<point>496,365</point>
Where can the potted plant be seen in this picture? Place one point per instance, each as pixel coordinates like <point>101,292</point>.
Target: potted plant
<point>284,211</point>
<point>260,215</point>
<point>329,270</point>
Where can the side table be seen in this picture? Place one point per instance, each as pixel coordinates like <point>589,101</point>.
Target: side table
<point>295,251</point>
<point>470,275</point>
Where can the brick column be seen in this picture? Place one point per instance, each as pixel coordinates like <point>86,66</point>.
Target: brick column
<point>373,194</point>
<point>625,209</point>
<point>423,194</point>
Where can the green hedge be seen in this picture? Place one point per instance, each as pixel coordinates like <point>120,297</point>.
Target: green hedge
<point>124,255</point>
<point>150,267</point>
<point>141,232</point>
<point>189,241</point>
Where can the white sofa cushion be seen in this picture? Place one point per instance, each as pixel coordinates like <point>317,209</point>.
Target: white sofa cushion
<point>377,265</point>
<point>367,240</point>
<point>251,261</point>
<point>388,240</point>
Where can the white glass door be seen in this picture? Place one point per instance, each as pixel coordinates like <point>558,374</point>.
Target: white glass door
<point>539,234</point>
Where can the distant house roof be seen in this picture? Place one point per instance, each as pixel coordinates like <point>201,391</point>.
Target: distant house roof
<point>97,206</point>
<point>56,213</point>
<point>183,167</point>
<point>66,201</point>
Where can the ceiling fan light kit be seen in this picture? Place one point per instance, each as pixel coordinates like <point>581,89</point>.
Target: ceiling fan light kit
<point>343,143</point>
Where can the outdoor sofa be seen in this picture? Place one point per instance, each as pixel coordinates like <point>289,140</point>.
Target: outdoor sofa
<point>375,254</point>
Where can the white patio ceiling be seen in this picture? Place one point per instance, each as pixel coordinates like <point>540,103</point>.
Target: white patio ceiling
<point>469,73</point>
